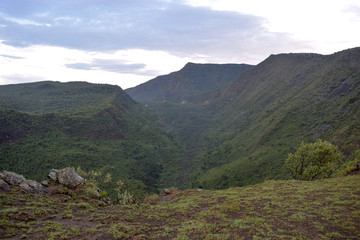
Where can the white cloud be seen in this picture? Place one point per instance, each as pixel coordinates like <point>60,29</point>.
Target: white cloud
<point>130,41</point>
<point>21,21</point>
<point>125,68</point>
<point>170,26</point>
<point>326,25</point>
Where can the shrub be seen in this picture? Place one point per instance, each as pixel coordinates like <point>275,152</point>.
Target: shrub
<point>123,195</point>
<point>313,161</point>
<point>152,199</point>
<point>92,181</point>
<point>351,166</point>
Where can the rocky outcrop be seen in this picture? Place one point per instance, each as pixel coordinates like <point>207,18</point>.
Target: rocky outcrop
<point>4,186</point>
<point>32,186</point>
<point>67,177</point>
<point>62,183</point>
<point>8,179</point>
<point>53,174</point>
<point>166,191</point>
<point>12,178</point>
<point>166,195</point>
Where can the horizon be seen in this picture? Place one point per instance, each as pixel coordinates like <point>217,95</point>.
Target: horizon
<point>49,80</point>
<point>131,42</point>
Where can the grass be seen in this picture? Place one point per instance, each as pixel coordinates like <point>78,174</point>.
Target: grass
<point>323,209</point>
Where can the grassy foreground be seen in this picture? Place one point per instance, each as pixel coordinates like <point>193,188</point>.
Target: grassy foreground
<point>324,209</point>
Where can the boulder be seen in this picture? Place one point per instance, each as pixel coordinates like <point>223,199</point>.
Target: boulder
<point>53,174</point>
<point>166,191</point>
<point>45,183</point>
<point>12,178</point>
<point>32,186</point>
<point>69,178</point>
<point>4,186</point>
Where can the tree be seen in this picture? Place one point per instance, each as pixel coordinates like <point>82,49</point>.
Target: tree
<point>317,160</point>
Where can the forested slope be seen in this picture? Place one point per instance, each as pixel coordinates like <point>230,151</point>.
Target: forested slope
<point>234,134</point>
<point>192,80</point>
<point>241,133</point>
<point>49,125</point>
<point>269,110</point>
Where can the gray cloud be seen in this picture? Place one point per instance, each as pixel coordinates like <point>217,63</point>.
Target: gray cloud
<point>117,66</point>
<point>353,9</point>
<point>152,25</point>
<point>11,57</point>
<point>19,78</point>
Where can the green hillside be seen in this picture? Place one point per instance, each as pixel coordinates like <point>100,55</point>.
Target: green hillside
<point>194,79</point>
<point>49,97</point>
<point>211,137</point>
<point>268,111</point>
<point>49,125</point>
<point>241,133</point>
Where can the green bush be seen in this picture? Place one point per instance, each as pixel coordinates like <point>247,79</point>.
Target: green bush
<point>350,167</point>
<point>313,161</point>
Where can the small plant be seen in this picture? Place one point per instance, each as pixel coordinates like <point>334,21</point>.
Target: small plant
<point>348,226</point>
<point>84,205</point>
<point>67,214</point>
<point>123,196</point>
<point>152,199</point>
<point>103,194</point>
<point>8,211</point>
<point>121,231</point>
<point>351,166</point>
<point>90,230</point>
<point>65,191</point>
<point>92,181</point>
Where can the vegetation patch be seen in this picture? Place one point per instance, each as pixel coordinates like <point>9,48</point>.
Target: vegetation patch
<point>323,209</point>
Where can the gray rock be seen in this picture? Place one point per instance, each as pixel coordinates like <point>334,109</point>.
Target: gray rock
<point>69,178</point>
<point>32,186</point>
<point>12,178</point>
<point>4,186</point>
<point>53,174</point>
<point>167,191</point>
<point>45,183</point>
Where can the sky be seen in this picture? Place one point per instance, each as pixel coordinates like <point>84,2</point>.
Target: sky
<point>128,42</point>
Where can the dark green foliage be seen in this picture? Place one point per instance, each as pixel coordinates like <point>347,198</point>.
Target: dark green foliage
<point>270,109</point>
<point>97,127</point>
<point>241,134</point>
<point>313,161</point>
<point>235,135</point>
<point>350,167</point>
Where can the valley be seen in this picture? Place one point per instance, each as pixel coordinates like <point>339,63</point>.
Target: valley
<point>205,126</point>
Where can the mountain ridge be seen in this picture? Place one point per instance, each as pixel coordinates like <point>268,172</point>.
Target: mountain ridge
<point>193,79</point>
<point>284,100</point>
<point>237,134</point>
<point>264,114</point>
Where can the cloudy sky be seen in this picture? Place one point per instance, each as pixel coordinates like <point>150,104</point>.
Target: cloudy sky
<point>127,42</point>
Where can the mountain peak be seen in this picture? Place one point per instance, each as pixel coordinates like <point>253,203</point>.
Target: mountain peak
<point>192,80</point>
